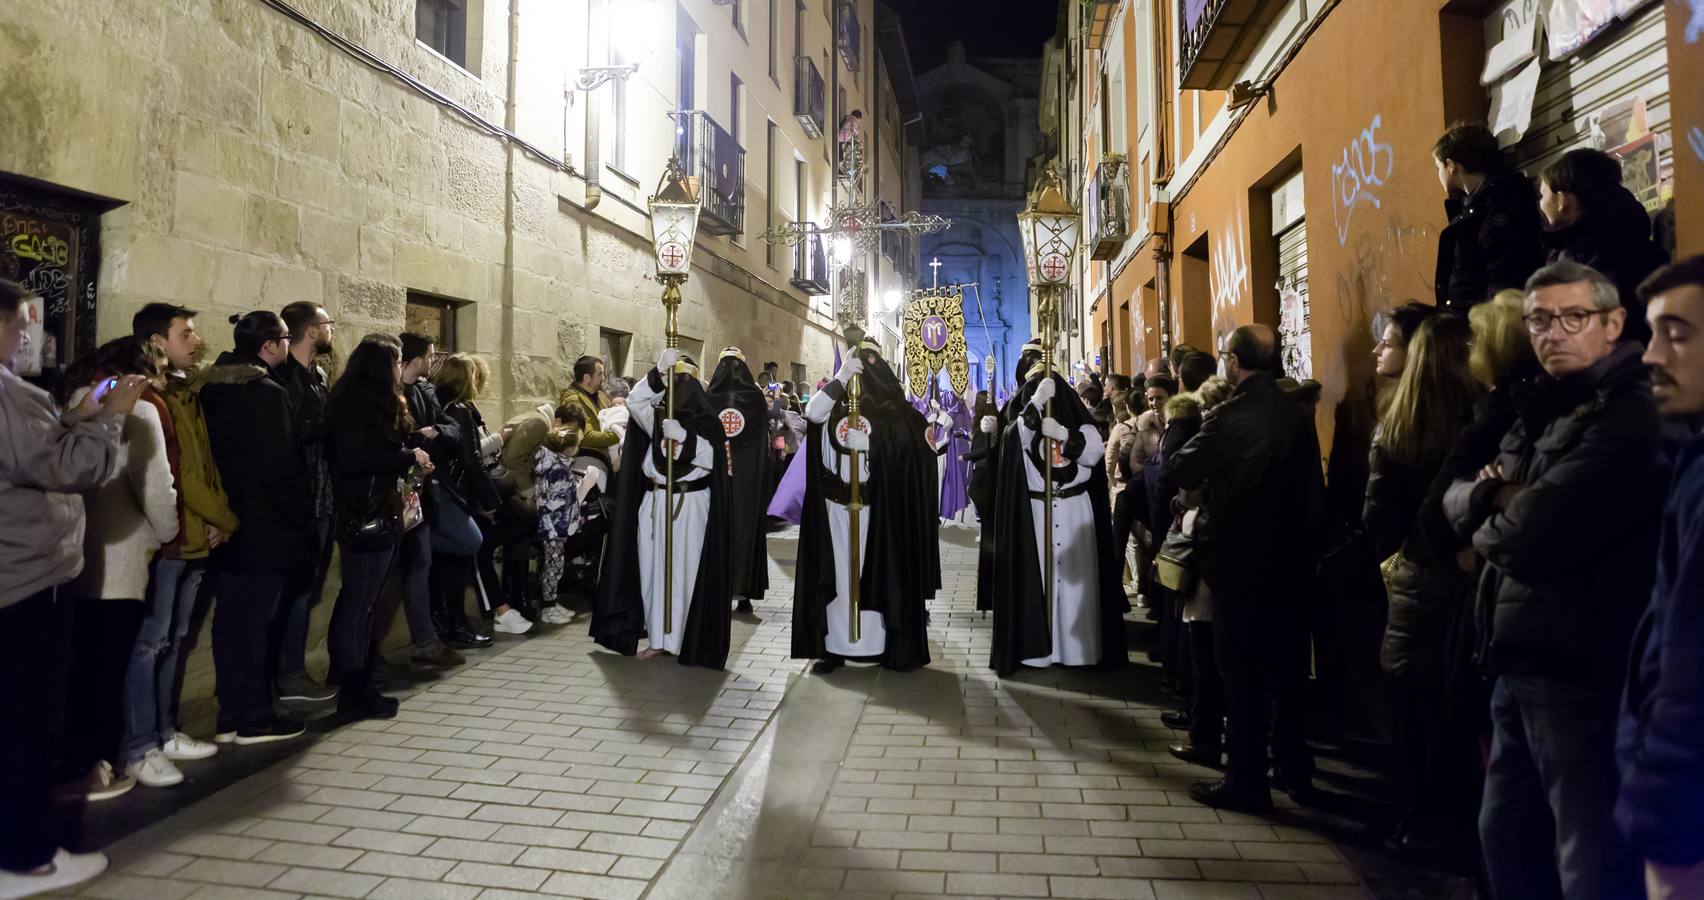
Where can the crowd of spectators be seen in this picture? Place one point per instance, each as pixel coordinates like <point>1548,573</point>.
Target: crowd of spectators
<point>157,486</point>
<point>1532,507</point>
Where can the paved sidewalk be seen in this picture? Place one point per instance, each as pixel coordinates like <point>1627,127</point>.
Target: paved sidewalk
<point>555,768</point>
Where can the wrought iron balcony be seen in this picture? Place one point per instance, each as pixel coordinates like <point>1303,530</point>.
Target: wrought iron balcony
<point>1109,209</point>
<point>710,153</point>
<point>1216,37</point>
<point>810,96</point>
<point>851,35</point>
<point>810,265</point>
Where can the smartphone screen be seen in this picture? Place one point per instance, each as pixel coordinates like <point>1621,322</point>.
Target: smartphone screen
<point>105,386</point>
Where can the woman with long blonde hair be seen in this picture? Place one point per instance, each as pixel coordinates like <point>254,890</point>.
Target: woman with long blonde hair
<point>1425,412</point>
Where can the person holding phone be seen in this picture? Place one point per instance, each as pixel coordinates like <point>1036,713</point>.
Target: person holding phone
<point>47,458</point>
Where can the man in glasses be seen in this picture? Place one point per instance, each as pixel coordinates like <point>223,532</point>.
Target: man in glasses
<point>251,428</point>
<point>1566,518</point>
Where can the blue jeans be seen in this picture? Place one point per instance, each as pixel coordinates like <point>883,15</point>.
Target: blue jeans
<point>352,618</point>
<point>455,533</point>
<point>300,597</point>
<point>150,683</point>
<point>416,553</point>
<point>243,619</point>
<point>1549,790</point>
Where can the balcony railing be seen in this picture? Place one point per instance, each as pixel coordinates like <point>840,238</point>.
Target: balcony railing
<point>810,96</point>
<point>851,34</point>
<point>1109,209</point>
<point>810,265</point>
<point>1216,37</point>
<point>710,153</point>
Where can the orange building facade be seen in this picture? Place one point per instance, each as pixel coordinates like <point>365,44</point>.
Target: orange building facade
<point>1269,161</point>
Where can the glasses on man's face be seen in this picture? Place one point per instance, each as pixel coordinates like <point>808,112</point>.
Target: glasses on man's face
<point>1573,321</point>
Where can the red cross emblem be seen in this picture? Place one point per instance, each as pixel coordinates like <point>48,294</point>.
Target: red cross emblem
<point>1058,456</point>
<point>1053,266</point>
<point>733,422</point>
<point>929,435</point>
<point>845,426</point>
<point>672,255</point>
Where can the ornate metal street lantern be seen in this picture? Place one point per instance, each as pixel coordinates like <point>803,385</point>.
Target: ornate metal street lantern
<point>1050,229</point>
<point>674,224</point>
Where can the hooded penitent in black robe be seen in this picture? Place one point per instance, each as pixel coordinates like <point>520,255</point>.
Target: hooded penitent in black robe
<point>991,461</point>
<point>746,453</point>
<point>1021,625</point>
<point>901,554</point>
<point>618,608</point>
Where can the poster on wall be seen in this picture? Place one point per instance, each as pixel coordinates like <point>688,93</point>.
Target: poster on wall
<point>1295,333</point>
<point>1572,24</point>
<point>29,356</point>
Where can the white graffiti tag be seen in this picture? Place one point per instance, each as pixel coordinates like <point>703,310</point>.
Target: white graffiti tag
<point>1695,28</point>
<point>1366,164</point>
<point>1230,272</point>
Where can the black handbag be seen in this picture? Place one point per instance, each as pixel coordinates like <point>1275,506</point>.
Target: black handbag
<point>378,518</point>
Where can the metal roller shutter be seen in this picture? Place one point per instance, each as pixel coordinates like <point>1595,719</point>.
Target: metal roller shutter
<point>1598,95</point>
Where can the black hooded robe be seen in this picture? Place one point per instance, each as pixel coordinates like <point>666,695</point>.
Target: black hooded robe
<point>902,554</point>
<point>733,390</point>
<point>1021,625</point>
<point>618,608</point>
<point>986,517</point>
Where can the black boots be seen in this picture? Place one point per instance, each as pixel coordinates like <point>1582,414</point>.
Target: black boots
<point>358,699</point>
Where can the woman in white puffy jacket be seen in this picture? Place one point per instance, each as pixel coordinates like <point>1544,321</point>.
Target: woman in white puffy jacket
<point>127,518</point>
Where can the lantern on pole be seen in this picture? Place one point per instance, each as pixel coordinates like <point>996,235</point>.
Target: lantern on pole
<point>674,223</point>
<point>1050,228</point>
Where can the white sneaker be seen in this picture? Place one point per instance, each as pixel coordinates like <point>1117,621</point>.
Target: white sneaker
<point>555,615</point>
<point>182,746</point>
<point>512,622</point>
<point>225,737</point>
<point>66,870</point>
<point>155,770</point>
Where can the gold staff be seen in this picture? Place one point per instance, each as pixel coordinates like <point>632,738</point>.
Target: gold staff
<point>674,223</point>
<point>855,503</point>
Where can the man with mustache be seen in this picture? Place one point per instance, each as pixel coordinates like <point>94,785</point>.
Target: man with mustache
<point>1565,519</point>
<point>1661,742</point>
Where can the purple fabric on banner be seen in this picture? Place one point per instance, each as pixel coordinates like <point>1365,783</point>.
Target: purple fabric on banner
<point>789,500</point>
<point>1192,12</point>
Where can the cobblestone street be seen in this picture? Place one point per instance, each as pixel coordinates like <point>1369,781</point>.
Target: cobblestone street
<point>550,767</point>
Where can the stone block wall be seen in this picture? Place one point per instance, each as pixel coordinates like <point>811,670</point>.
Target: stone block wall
<point>256,164</point>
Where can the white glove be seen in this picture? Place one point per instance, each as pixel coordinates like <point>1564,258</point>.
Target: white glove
<point>673,431</point>
<point>1043,393</point>
<point>667,359</point>
<point>849,367</point>
<point>989,424</point>
<point>945,419</point>
<point>857,441</point>
<point>1054,430</point>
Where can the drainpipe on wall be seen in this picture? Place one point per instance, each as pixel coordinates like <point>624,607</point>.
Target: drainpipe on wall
<point>506,344</point>
<point>594,112</point>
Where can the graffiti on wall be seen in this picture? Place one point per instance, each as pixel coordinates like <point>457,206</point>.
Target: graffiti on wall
<point>1366,286</point>
<point>1229,275</point>
<point>1366,165</point>
<point>1695,137</point>
<point>1695,28</point>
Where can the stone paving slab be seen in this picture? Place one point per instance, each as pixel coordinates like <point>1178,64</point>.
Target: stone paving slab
<point>552,768</point>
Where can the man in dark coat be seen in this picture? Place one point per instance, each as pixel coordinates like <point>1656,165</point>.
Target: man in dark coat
<point>629,600</point>
<point>251,427</point>
<point>899,561</point>
<point>742,410</point>
<point>1596,222</point>
<point>1085,624</point>
<point>1565,519</point>
<point>1493,240</point>
<point>1660,743</point>
<point>1257,455</point>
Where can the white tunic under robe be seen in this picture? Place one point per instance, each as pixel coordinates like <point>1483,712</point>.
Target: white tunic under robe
<point>691,520</point>
<point>872,639</point>
<point>1076,574</point>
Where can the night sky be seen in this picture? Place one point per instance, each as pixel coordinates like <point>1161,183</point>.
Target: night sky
<point>1014,28</point>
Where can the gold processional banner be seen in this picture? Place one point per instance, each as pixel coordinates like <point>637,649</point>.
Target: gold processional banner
<point>933,322</point>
